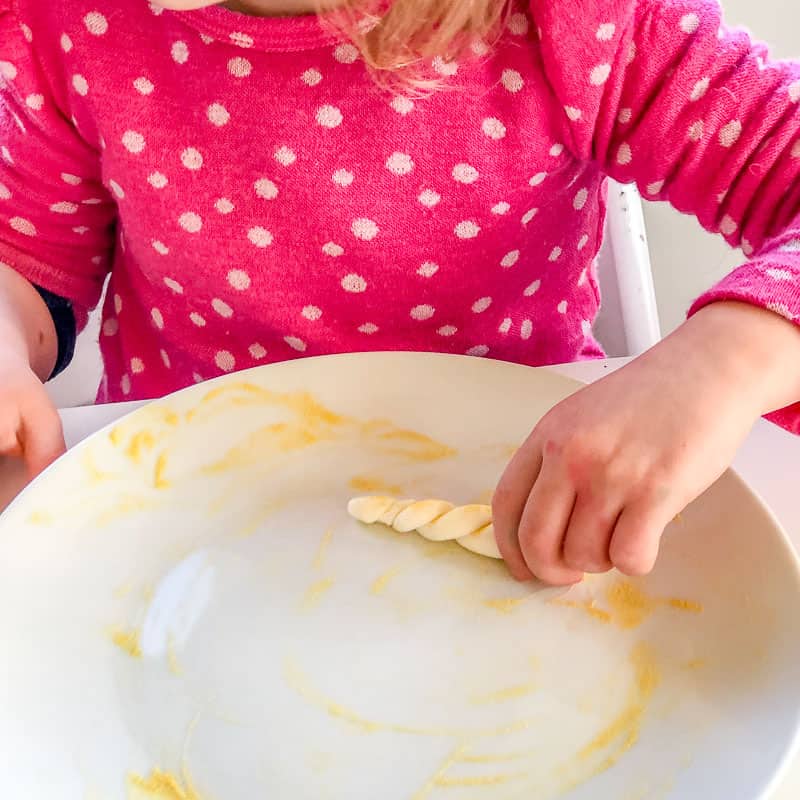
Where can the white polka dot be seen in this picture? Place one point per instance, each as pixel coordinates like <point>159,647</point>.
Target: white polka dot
<point>241,39</point>
<point>780,274</point>
<point>96,23</point>
<point>479,48</point>
<point>157,180</point>
<point>197,319</point>
<point>537,179</point>
<point>700,89</point>
<point>509,259</point>
<point>526,329</point>
<point>369,328</point>
<point>117,304</point>
<point>796,149</point>
<point>110,327</point>
<point>531,289</point>
<point>80,84</point>
<point>364,229</point>
<point>728,225</point>
<point>479,350</point>
<point>505,325</point>
<point>133,141</point>
<point>422,312</point>
<point>239,280</point>
<point>343,178</point>
<point>696,130</point>
<point>792,246</point>
<point>239,67</point>
<point>573,114</point>
<point>125,384</point>
<point>259,236</point>
<point>529,215</point>
<point>730,133</point>
<point>346,53</point>
<point>329,116</point>
<point>624,155</point>
<point>747,248</point>
<point>445,68</point>
<point>312,313</point>
<point>160,247</point>
<point>625,115</point>
<point>780,308</point>
<point>556,150</point>
<point>66,43</point>
<point>512,80</point>
<point>794,91</point>
<point>80,230</point>
<point>35,101</point>
<point>266,189</point>
<point>311,77</point>
<point>286,156</point>
<point>192,159</point>
<point>218,115</point>
<point>399,163</point>
<point>467,230</point>
<point>6,154</point>
<point>586,327</point>
<point>180,52</point>
<point>224,205</point>
<point>158,318</point>
<point>555,254</point>
<point>137,366</point>
<point>690,23</point>
<point>493,128</point>
<point>354,283</point>
<point>23,226</point>
<point>5,192</point>
<point>580,199</point>
<point>332,249</point>
<point>480,305</point>
<point>518,24</point>
<point>222,308</point>
<point>97,260</point>
<point>465,173</point>
<point>295,343</point>
<point>190,222</point>
<point>402,105</point>
<point>64,208</point>
<point>72,180</point>
<point>600,74</point>
<point>501,208</point>
<point>225,361</point>
<point>605,33</point>
<point>428,269</point>
<point>165,359</point>
<point>197,377</point>
<point>562,307</point>
<point>143,86</point>
<point>655,187</point>
<point>257,351</point>
<point>173,285</point>
<point>429,198</point>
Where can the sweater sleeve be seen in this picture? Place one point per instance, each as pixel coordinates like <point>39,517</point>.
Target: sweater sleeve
<point>661,93</point>
<point>56,217</point>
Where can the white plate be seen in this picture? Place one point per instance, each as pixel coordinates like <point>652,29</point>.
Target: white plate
<point>184,599</point>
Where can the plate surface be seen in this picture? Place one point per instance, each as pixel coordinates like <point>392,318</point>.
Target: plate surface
<point>188,613</point>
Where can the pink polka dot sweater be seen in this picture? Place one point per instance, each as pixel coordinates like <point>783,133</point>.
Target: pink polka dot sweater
<point>256,198</point>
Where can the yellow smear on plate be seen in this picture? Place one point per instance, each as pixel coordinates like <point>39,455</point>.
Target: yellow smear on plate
<point>373,485</point>
<point>501,695</point>
<point>141,442</point>
<point>382,581</point>
<point>315,592</point>
<point>505,605</point>
<point>319,558</point>
<point>41,518</point>
<point>172,657</point>
<point>478,780</point>
<point>159,479</point>
<point>161,785</point>
<point>127,641</point>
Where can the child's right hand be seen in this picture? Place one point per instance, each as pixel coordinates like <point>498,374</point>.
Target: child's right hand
<point>30,427</point>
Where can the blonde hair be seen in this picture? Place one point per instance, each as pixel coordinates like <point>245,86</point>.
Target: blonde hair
<point>399,38</point>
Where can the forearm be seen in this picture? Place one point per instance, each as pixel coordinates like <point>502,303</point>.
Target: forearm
<point>26,326</point>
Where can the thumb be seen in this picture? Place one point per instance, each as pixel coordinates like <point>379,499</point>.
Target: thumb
<point>41,435</point>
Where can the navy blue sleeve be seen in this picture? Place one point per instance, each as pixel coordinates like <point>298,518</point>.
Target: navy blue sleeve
<point>66,329</point>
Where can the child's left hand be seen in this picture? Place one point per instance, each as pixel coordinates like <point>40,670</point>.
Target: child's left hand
<point>606,470</point>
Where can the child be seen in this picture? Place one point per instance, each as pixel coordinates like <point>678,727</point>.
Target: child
<point>257,195</point>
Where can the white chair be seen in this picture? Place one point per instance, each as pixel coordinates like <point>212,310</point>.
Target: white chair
<point>627,324</point>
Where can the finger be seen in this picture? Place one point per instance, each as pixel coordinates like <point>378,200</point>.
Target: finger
<point>544,524</point>
<point>589,532</point>
<point>42,437</point>
<point>637,536</point>
<point>508,505</point>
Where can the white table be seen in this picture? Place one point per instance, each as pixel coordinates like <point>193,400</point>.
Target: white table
<point>769,461</point>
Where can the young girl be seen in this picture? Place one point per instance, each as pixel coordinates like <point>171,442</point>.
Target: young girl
<point>266,179</point>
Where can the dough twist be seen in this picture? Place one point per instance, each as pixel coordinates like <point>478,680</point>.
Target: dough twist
<point>437,520</point>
